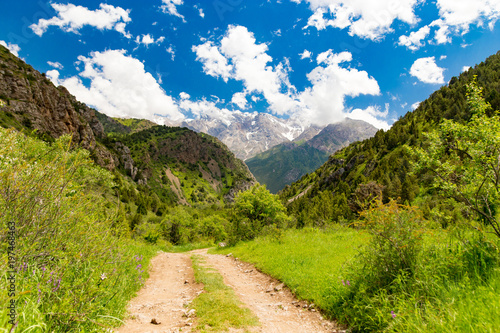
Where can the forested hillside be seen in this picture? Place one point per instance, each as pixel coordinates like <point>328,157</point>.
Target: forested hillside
<point>288,162</point>
<point>381,163</point>
<point>158,166</point>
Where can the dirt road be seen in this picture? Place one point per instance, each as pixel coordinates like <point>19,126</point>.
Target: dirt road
<point>171,285</point>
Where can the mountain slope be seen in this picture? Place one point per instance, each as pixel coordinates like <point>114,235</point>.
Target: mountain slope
<point>325,194</point>
<point>146,160</point>
<point>287,162</point>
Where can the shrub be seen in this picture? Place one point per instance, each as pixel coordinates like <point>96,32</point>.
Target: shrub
<point>396,243</point>
<point>69,264</point>
<point>254,210</point>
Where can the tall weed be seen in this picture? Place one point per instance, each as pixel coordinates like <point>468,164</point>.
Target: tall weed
<point>72,271</point>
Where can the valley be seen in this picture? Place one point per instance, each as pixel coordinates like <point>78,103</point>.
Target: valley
<point>129,226</point>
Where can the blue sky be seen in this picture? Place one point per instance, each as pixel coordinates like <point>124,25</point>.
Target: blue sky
<point>316,61</point>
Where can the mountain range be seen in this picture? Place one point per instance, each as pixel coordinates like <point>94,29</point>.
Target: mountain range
<point>250,133</point>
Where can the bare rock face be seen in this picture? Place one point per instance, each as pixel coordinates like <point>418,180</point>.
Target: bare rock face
<point>126,159</point>
<point>37,104</point>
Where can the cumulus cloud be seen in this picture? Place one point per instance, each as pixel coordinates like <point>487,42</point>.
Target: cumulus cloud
<point>206,108</point>
<point>456,17</point>
<point>465,68</point>
<point>71,18</point>
<point>57,65</point>
<point>365,19</point>
<point>13,48</point>
<point>148,40</point>
<point>170,7</point>
<point>415,105</point>
<point>414,40</point>
<point>240,100</point>
<point>239,57</point>
<point>372,115</point>
<point>324,102</point>
<point>426,70</point>
<point>170,50</point>
<point>214,63</point>
<point>305,55</point>
<point>119,87</point>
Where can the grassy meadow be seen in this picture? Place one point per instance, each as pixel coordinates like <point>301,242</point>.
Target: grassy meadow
<point>453,285</point>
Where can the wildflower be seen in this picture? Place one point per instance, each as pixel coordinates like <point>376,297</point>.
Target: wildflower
<point>138,267</point>
<point>343,283</point>
<point>56,288</point>
<point>348,283</point>
<point>393,314</point>
<point>39,293</point>
<point>103,276</point>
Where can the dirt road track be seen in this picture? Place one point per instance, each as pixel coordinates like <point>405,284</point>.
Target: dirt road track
<point>166,291</point>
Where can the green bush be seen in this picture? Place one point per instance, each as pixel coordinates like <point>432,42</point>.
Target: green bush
<point>396,243</point>
<point>256,211</point>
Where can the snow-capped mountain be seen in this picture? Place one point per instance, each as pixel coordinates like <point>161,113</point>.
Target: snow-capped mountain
<point>247,134</point>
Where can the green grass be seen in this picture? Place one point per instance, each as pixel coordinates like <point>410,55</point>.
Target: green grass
<point>218,309</point>
<point>455,286</point>
<point>310,262</point>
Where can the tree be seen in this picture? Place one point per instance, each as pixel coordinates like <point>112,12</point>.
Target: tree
<point>257,209</point>
<point>365,195</point>
<point>465,159</point>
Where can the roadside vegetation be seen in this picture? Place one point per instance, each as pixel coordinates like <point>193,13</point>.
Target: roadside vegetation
<point>397,267</point>
<point>75,266</point>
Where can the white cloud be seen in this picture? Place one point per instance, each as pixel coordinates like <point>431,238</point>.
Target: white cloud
<point>465,68</point>
<point>458,15</point>
<point>240,100</point>
<point>148,40</point>
<point>372,115</point>
<point>365,19</point>
<point>426,70</point>
<point>202,14</point>
<point>415,105</point>
<point>55,64</point>
<point>239,57</point>
<point>414,40</point>
<point>443,57</point>
<point>171,51</point>
<point>305,55</point>
<point>324,102</point>
<point>13,48</point>
<point>170,7</point>
<point>71,18</point>
<point>119,87</point>
<point>214,63</point>
<point>206,108</point>
<point>184,95</point>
